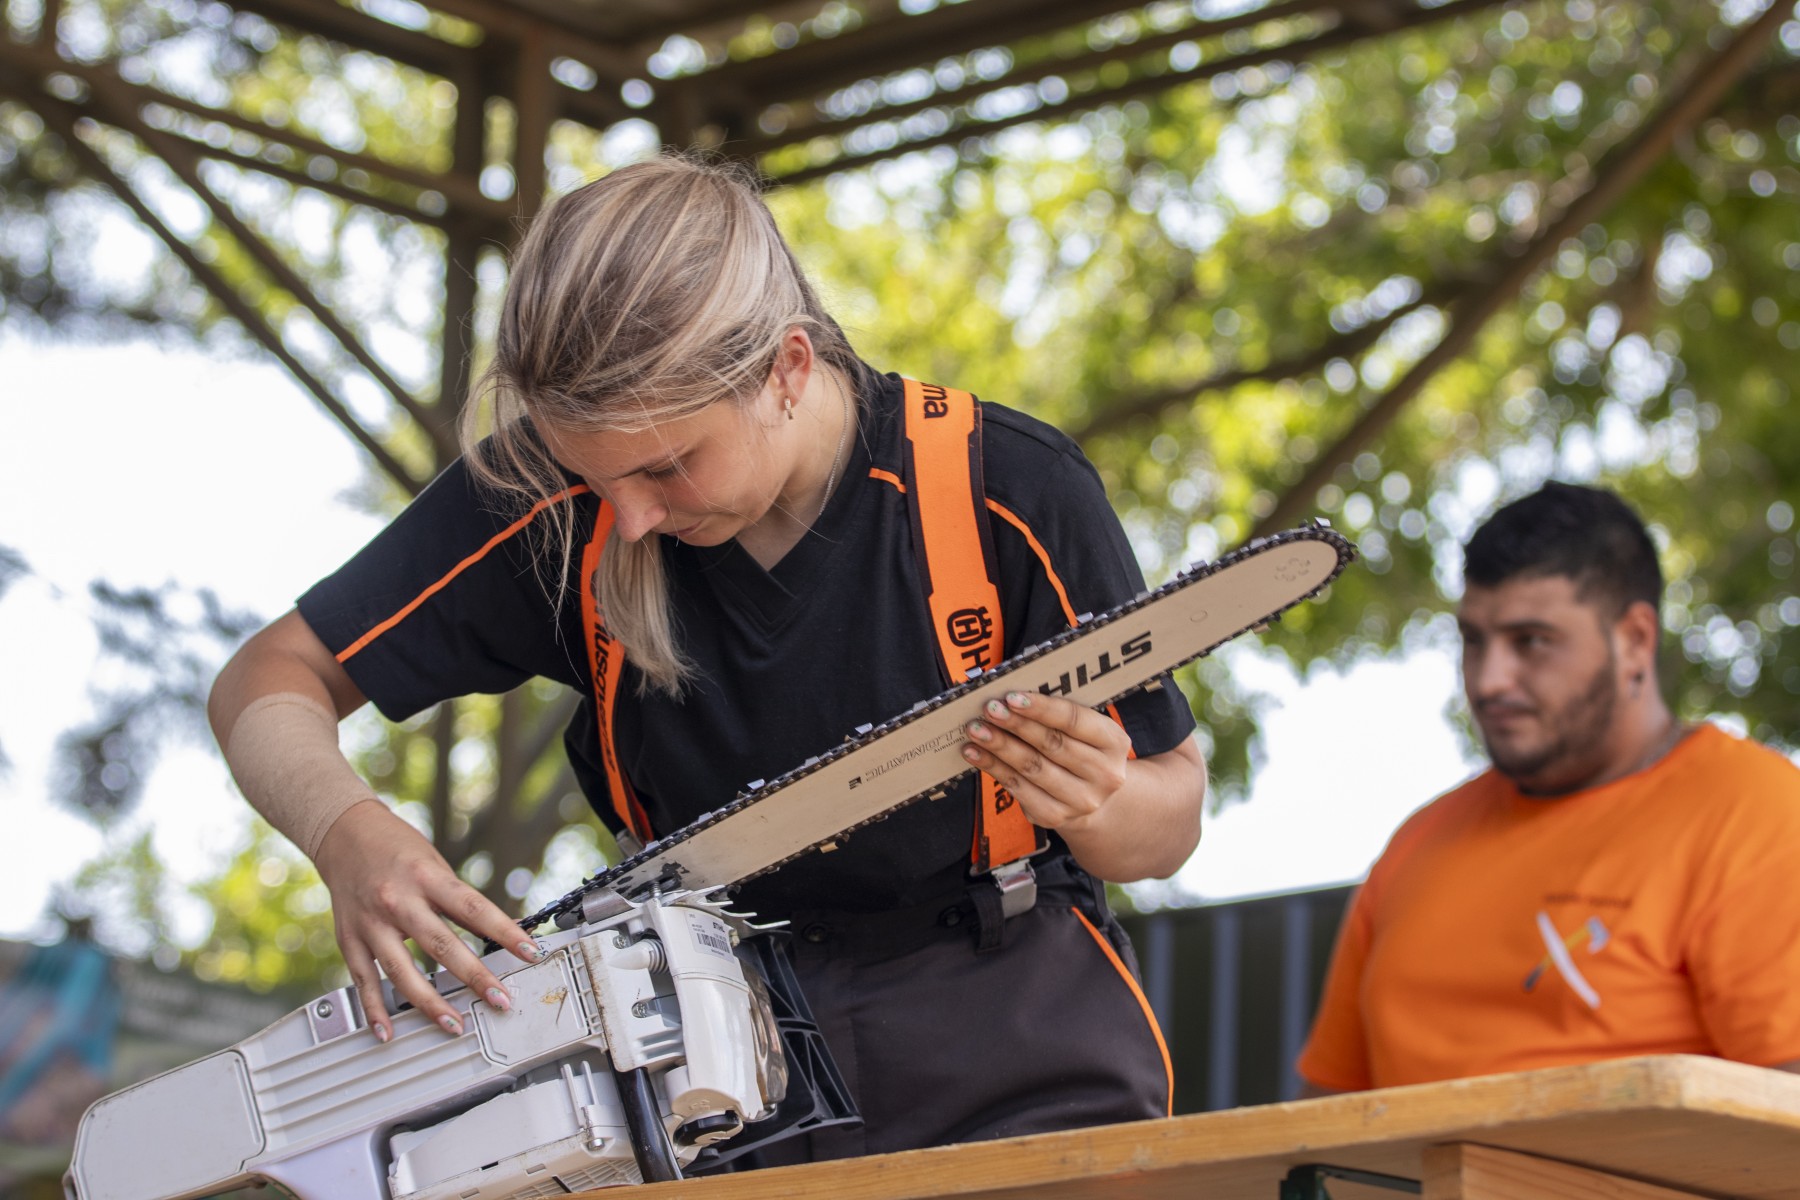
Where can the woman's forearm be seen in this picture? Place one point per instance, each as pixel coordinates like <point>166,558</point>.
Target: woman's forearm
<point>1151,825</point>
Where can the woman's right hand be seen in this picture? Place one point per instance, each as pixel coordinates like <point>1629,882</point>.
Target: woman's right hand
<point>388,884</point>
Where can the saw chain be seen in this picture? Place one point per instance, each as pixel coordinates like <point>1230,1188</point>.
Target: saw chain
<point>916,755</point>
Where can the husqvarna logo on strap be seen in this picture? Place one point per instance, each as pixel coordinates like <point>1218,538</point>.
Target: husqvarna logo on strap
<point>969,630</point>
<point>937,403</point>
<point>603,684</point>
<point>967,626</point>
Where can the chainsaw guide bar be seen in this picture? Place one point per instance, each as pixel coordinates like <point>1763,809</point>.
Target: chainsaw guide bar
<point>918,754</point>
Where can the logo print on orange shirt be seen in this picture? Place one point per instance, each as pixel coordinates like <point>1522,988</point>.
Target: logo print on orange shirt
<point>1558,954</point>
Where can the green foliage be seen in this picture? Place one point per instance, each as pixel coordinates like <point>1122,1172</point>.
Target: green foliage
<point>122,893</point>
<point>167,644</point>
<point>271,926</point>
<point>1207,287</point>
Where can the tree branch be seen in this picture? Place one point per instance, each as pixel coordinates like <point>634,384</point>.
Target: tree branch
<point>1615,178</point>
<point>63,118</point>
<point>512,839</point>
<point>1120,413</point>
<point>437,799</point>
<point>184,162</point>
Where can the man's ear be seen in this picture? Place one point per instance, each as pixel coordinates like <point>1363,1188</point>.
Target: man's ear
<point>1638,634</point>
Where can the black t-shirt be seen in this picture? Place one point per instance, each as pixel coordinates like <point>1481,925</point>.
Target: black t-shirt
<point>790,660</point>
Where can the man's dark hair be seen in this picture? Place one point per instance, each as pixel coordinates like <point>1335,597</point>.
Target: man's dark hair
<point>1583,534</point>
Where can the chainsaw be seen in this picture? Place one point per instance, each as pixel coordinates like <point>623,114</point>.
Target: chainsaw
<point>661,1031</point>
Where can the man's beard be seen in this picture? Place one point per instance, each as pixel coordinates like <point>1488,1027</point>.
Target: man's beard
<point>1570,756</point>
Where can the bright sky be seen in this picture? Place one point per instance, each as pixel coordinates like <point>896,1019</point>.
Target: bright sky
<point>142,466</point>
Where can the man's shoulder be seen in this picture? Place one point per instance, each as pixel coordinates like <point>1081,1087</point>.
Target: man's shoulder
<point>1479,790</point>
<point>1443,817</point>
<point>1720,746</point>
<point>1737,774</point>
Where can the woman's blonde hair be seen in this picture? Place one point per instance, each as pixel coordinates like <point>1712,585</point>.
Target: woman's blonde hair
<point>640,298</point>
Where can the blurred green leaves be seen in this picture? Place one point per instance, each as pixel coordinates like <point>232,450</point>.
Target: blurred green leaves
<point>1207,286</point>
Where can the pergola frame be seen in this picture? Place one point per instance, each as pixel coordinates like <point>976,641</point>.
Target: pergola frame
<point>810,106</point>
<point>783,110</point>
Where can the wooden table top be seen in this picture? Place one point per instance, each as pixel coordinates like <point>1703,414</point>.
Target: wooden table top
<point>1699,1124</point>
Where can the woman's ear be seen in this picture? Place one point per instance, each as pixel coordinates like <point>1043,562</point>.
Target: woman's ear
<point>794,364</point>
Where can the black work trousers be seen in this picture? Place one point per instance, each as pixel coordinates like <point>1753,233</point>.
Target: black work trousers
<point>941,1044</point>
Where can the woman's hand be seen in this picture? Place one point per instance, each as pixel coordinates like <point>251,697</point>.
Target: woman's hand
<point>1070,769</point>
<point>1060,761</point>
<point>388,884</point>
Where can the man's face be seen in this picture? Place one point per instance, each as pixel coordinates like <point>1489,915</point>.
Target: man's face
<point>1541,673</point>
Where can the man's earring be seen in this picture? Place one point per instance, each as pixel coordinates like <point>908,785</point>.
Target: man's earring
<point>787,406</point>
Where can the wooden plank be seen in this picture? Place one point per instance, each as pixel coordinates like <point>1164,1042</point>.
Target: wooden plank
<point>1466,1172</point>
<point>1686,1122</point>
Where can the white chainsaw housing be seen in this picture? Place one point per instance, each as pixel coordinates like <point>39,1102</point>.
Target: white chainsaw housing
<point>522,1104</point>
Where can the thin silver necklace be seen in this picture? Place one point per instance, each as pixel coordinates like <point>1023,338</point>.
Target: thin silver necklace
<point>838,457</point>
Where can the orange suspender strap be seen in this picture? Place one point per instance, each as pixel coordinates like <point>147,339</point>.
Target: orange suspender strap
<point>606,663</point>
<point>956,554</point>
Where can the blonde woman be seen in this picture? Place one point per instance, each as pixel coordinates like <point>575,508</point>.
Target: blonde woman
<point>676,449</point>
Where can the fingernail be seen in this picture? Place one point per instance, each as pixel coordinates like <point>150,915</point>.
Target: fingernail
<point>1019,699</point>
<point>499,999</point>
<point>451,1025</point>
<point>979,732</point>
<point>995,708</point>
<point>382,1033</point>
<point>972,754</point>
<point>530,952</point>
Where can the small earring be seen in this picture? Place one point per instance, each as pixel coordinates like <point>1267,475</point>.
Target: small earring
<point>787,406</point>
<point>1637,684</point>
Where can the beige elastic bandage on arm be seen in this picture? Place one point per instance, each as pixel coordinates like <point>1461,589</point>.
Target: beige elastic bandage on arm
<point>283,752</point>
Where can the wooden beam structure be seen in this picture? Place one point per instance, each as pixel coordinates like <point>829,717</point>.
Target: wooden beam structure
<point>799,88</point>
<point>802,88</point>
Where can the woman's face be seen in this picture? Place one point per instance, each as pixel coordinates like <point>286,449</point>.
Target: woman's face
<point>703,478</point>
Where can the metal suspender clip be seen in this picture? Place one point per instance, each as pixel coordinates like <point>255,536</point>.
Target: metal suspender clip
<point>1018,887</point>
<point>1014,892</point>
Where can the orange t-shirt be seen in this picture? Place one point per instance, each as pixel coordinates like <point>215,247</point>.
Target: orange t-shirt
<point>1658,914</point>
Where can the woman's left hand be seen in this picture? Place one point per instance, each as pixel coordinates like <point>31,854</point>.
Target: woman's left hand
<point>1071,769</point>
<point>1060,760</point>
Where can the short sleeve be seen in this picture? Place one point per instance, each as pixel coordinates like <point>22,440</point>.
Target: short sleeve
<point>1063,554</point>
<point>458,595</point>
<point>1336,1054</point>
<point>1743,945</point>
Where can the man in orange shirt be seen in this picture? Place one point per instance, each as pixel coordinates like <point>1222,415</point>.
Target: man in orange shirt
<point>1618,883</point>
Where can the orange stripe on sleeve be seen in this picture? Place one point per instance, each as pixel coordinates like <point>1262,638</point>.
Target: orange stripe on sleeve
<point>356,647</point>
<point>1112,956</point>
<point>887,477</point>
<point>1037,548</point>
